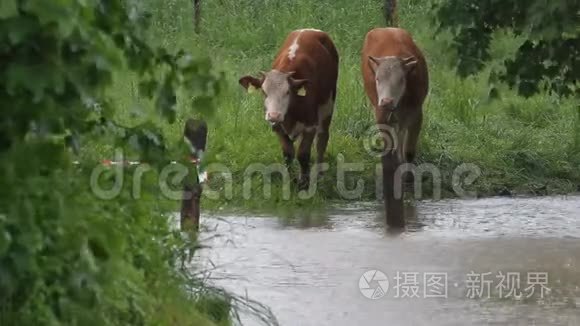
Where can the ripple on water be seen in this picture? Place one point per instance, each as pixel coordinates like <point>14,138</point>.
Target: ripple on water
<point>307,268</point>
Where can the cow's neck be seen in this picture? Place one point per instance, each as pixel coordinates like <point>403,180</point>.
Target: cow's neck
<point>297,118</point>
<point>288,124</point>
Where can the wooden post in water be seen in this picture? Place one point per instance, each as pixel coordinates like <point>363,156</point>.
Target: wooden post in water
<point>195,133</point>
<point>196,15</point>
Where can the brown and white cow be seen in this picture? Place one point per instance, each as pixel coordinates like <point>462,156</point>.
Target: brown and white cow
<point>396,81</point>
<point>299,94</point>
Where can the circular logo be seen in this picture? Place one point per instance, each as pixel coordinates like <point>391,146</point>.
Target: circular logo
<point>373,284</point>
<point>380,140</point>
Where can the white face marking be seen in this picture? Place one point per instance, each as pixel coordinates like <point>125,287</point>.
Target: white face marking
<point>277,90</point>
<point>310,30</point>
<point>390,80</point>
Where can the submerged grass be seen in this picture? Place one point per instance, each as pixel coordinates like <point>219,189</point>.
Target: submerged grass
<point>520,145</point>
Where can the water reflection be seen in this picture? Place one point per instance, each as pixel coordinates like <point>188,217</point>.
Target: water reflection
<point>306,264</point>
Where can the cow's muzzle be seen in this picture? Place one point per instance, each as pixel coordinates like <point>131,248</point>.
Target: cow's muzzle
<point>387,104</point>
<point>274,117</point>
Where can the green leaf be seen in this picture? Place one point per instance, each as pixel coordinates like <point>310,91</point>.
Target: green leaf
<point>45,77</point>
<point>107,55</point>
<point>8,8</point>
<point>48,11</point>
<point>148,87</point>
<point>5,240</point>
<point>21,28</point>
<point>166,101</point>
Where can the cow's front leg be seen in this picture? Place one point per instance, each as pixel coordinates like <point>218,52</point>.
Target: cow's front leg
<point>322,143</point>
<point>304,158</point>
<point>409,146</point>
<point>287,146</point>
<point>412,138</point>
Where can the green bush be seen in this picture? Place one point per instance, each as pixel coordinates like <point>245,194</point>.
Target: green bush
<point>66,256</point>
<point>547,56</point>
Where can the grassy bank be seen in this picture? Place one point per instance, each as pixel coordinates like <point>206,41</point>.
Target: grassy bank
<point>525,146</point>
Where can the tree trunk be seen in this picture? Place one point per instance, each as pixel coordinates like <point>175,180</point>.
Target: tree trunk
<point>390,12</point>
<point>196,14</point>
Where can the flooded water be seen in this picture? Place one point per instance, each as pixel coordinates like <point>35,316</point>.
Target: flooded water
<point>498,261</point>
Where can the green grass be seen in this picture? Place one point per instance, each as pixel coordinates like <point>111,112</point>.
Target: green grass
<point>523,145</point>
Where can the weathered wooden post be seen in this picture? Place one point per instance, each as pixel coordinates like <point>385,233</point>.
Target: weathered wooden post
<point>195,134</point>
<point>196,14</point>
<point>390,12</point>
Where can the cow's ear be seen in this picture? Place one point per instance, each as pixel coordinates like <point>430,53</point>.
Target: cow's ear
<point>250,83</point>
<point>299,85</point>
<point>373,63</point>
<point>409,64</point>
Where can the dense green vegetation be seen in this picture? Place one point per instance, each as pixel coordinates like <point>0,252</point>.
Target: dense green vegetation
<point>68,257</point>
<point>521,145</point>
<point>549,56</point>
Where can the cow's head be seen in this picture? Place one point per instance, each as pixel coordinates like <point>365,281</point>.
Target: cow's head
<point>390,75</point>
<point>280,89</point>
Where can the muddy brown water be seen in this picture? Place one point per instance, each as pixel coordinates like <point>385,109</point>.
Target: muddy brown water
<point>497,261</point>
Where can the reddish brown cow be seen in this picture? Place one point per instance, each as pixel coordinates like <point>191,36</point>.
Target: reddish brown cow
<point>300,91</point>
<point>396,81</point>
